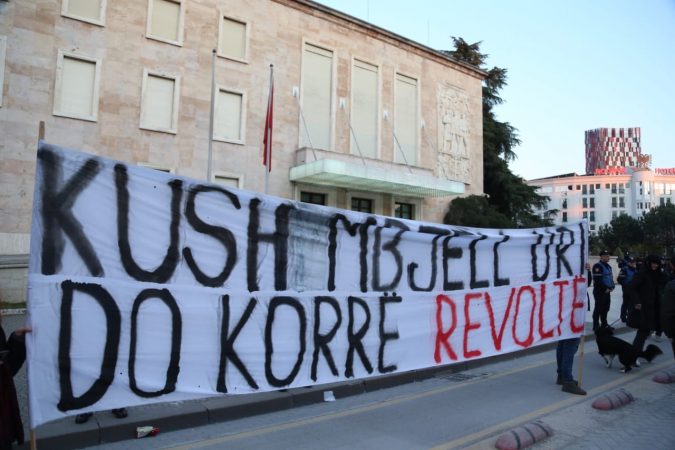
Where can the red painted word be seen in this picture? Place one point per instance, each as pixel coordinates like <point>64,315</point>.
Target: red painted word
<point>525,311</point>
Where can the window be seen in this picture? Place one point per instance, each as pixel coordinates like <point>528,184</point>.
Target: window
<point>317,88</point>
<point>570,187</point>
<point>607,186</point>
<point>364,117</point>
<point>233,39</point>
<point>364,205</point>
<point>592,216</point>
<point>92,11</point>
<point>578,187</point>
<point>564,203</point>
<point>622,203</point>
<point>584,189</point>
<point>613,188</point>
<point>591,189</point>
<point>597,186</point>
<point>165,21</point>
<point>406,123</point>
<point>613,202</point>
<point>404,210</point>
<point>228,179</point>
<point>592,202</point>
<point>3,50</point>
<point>77,86</point>
<point>584,202</point>
<point>615,214</point>
<point>585,214</point>
<point>592,227</point>
<point>662,201</point>
<point>229,116</point>
<point>159,102</point>
<point>621,188</point>
<point>315,198</point>
<point>564,216</point>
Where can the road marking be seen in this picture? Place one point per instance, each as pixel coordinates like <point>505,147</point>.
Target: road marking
<point>460,442</point>
<point>484,434</point>
<point>359,410</point>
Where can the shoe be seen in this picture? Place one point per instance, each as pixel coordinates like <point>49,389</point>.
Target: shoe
<point>83,418</point>
<point>120,413</point>
<point>571,387</point>
<point>559,381</point>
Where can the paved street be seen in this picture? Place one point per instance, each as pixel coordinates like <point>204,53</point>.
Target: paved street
<point>450,410</point>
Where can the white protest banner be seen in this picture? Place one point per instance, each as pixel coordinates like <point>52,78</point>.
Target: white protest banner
<point>148,287</point>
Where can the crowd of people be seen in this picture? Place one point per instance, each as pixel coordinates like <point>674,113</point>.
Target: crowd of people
<point>648,306</point>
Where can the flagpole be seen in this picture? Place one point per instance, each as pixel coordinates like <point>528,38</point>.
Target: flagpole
<point>209,166</point>
<point>268,132</point>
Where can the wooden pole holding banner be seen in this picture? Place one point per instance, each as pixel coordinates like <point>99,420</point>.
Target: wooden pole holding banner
<point>33,437</point>
<point>581,359</point>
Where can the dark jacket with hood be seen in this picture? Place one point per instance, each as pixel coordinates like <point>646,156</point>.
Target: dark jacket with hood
<point>13,351</point>
<point>645,289</point>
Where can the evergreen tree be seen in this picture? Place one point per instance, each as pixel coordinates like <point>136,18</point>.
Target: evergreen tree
<point>506,192</point>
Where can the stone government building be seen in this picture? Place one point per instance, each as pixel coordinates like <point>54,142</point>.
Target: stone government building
<point>364,119</point>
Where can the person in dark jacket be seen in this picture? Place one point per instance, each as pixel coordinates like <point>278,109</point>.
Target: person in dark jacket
<point>603,285</point>
<point>668,306</point>
<point>625,277</point>
<point>645,290</point>
<point>12,356</point>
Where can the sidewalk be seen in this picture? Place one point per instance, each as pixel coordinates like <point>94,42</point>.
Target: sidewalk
<point>103,427</point>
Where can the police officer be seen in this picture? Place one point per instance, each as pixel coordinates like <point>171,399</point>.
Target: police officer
<point>603,285</point>
<point>625,276</point>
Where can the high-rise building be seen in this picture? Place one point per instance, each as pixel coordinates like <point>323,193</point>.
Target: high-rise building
<point>612,147</point>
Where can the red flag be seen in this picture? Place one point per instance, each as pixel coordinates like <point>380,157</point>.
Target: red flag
<point>267,137</point>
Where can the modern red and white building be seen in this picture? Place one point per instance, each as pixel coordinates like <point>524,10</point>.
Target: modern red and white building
<point>618,181</point>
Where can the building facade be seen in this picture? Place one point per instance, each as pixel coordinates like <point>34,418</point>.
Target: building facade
<point>612,147</point>
<point>364,119</point>
<point>600,198</point>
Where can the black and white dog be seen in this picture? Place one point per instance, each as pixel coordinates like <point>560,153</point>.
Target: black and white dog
<point>610,346</point>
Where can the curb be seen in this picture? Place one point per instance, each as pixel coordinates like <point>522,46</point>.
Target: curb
<point>613,400</point>
<point>524,436</point>
<point>104,428</point>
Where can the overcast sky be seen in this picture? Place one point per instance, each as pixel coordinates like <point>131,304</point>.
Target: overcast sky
<point>573,65</point>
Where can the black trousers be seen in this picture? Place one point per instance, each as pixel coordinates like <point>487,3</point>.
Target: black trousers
<point>601,308</point>
<point>640,338</point>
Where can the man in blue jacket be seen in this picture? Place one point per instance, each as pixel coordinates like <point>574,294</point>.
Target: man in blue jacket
<point>625,276</point>
<point>603,285</point>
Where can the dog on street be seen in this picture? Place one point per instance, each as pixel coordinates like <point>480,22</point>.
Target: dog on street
<point>610,346</point>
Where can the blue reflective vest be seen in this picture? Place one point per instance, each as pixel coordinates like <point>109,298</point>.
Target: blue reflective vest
<point>602,276</point>
<point>626,275</point>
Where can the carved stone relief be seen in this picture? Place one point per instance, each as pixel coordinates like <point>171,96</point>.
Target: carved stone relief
<point>455,117</point>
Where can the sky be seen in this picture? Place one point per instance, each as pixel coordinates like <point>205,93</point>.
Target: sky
<point>573,65</point>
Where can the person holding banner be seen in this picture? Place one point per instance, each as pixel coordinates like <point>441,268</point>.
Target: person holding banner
<point>645,292</point>
<point>603,285</point>
<point>565,351</point>
<point>12,356</point>
<point>668,306</point>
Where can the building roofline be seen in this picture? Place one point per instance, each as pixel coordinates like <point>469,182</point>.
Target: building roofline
<point>374,31</point>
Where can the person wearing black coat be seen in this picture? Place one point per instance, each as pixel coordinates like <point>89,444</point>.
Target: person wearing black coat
<point>668,306</point>
<point>12,356</point>
<point>645,289</point>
